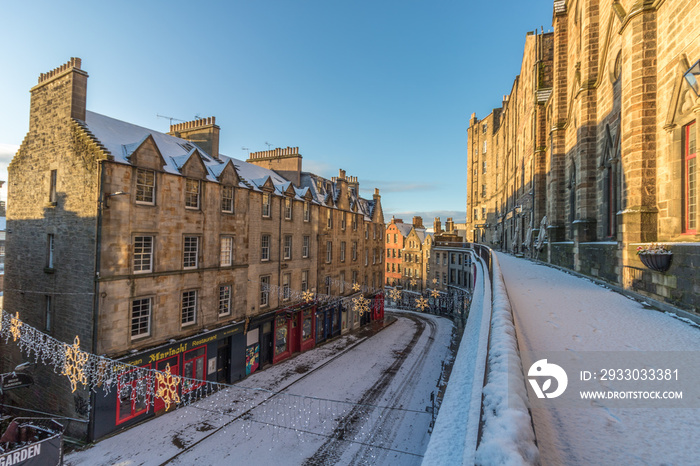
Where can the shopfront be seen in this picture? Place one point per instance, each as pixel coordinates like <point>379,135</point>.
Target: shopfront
<point>328,321</point>
<point>295,330</point>
<point>216,356</point>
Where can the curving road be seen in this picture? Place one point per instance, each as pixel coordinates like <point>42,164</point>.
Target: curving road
<point>360,399</point>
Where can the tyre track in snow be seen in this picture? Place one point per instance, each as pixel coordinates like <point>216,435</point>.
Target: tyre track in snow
<point>350,424</point>
<point>237,417</point>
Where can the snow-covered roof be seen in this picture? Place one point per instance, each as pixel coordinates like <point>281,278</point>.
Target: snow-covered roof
<point>121,139</point>
<point>404,228</point>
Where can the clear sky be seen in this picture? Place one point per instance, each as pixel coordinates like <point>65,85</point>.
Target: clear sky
<point>383,89</point>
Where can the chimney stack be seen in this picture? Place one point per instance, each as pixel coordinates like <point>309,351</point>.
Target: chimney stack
<point>62,92</point>
<point>204,132</point>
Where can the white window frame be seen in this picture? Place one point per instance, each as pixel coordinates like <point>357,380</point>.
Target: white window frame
<point>228,199</point>
<point>143,259</point>
<point>189,253</point>
<point>265,248</point>
<point>143,319</point>
<point>188,308</point>
<point>264,291</point>
<point>287,208</point>
<point>304,280</point>
<point>305,247</point>
<point>226,256</point>
<point>142,187</point>
<point>342,251</point>
<point>193,196</point>
<point>225,298</point>
<point>266,205</point>
<point>287,247</point>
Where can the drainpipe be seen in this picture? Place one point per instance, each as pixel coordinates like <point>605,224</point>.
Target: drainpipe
<point>96,285</point>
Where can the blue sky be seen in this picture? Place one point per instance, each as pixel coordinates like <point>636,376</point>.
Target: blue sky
<point>382,89</point>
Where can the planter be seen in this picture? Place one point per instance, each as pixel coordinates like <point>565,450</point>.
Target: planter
<point>658,262</point>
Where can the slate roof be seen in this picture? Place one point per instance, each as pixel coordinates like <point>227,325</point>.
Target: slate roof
<point>120,139</point>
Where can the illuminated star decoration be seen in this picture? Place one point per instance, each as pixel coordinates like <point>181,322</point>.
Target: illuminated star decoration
<point>434,281</point>
<point>413,283</point>
<point>395,294</point>
<point>435,293</point>
<point>356,287</point>
<point>421,303</point>
<point>74,367</point>
<point>361,305</point>
<point>15,325</point>
<point>167,387</point>
<point>308,296</point>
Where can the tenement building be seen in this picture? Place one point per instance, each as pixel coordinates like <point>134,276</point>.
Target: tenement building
<point>407,250</point>
<point>592,156</point>
<point>155,249</point>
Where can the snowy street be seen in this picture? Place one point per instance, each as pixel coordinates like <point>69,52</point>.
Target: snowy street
<point>360,399</point>
<point>557,313</point>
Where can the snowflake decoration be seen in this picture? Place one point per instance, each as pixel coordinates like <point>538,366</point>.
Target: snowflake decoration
<point>361,305</point>
<point>167,387</point>
<point>435,293</point>
<point>15,325</point>
<point>421,303</point>
<point>413,283</point>
<point>395,294</point>
<point>74,367</point>
<point>308,296</point>
<point>435,281</point>
<point>356,287</point>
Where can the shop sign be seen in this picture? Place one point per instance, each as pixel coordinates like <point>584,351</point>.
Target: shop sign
<point>14,380</point>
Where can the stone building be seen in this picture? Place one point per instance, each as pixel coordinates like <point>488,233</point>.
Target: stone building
<point>416,249</point>
<point>396,233</point>
<point>157,249</point>
<point>596,147</point>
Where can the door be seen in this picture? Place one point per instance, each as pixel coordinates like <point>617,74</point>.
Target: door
<point>266,350</point>
<point>223,363</point>
<point>295,336</point>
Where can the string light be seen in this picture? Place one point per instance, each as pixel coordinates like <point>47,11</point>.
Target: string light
<point>75,364</point>
<point>421,303</point>
<point>167,387</point>
<point>15,326</point>
<point>435,293</point>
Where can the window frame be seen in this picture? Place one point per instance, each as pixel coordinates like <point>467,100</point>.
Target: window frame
<point>265,241</point>
<point>264,291</point>
<point>266,203</point>
<point>192,308</point>
<point>226,199</point>
<point>141,318</point>
<point>188,254</point>
<point>288,208</point>
<point>287,247</point>
<point>141,186</point>
<point>305,246</point>
<point>191,195</point>
<point>226,301</point>
<point>139,257</point>
<point>690,201</point>
<point>223,250</point>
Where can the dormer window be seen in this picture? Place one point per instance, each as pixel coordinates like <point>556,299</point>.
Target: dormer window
<point>266,205</point>
<point>192,193</point>
<point>145,186</point>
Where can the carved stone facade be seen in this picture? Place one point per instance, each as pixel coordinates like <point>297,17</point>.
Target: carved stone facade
<point>596,147</point>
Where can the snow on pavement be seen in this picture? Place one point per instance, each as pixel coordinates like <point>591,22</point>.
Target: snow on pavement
<point>391,374</point>
<point>558,312</point>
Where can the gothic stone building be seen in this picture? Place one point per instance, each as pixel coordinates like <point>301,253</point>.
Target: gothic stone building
<point>593,153</point>
<point>143,244</point>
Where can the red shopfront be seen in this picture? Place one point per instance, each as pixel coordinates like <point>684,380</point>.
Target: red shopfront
<point>214,357</point>
<point>295,331</point>
<point>378,307</point>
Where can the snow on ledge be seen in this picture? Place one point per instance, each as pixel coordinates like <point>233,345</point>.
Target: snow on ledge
<point>507,435</point>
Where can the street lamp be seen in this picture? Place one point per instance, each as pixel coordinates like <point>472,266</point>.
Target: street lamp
<point>692,76</point>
